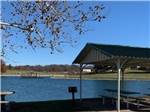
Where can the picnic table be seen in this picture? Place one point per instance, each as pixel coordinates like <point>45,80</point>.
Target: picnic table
<point>124,95</point>
<point>5,93</point>
<point>5,105</point>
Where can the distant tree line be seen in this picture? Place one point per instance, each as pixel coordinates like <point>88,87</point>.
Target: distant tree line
<point>69,69</point>
<point>47,68</point>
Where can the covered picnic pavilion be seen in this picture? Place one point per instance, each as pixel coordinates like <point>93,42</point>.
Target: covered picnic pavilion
<point>112,55</point>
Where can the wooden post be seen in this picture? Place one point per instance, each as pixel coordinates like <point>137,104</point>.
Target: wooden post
<point>122,72</point>
<point>80,82</point>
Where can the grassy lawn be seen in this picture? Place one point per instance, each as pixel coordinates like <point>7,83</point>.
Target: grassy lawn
<point>113,76</point>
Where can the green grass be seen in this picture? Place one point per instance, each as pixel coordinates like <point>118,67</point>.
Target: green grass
<point>113,76</point>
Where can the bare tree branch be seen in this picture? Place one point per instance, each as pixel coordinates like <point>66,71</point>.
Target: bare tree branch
<point>47,24</point>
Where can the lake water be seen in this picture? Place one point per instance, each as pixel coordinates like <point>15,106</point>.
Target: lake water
<point>43,89</point>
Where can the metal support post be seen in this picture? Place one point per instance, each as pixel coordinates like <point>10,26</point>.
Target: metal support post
<point>118,94</point>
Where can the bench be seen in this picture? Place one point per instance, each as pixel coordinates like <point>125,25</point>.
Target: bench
<point>137,101</point>
<point>136,104</point>
<point>126,99</point>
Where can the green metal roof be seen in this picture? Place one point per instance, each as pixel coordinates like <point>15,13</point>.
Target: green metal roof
<point>115,50</point>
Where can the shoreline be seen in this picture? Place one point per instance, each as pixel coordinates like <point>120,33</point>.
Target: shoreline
<point>68,78</point>
<point>19,75</point>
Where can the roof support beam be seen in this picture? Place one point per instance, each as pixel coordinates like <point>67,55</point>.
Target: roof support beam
<point>120,65</point>
<point>81,67</point>
<point>118,93</point>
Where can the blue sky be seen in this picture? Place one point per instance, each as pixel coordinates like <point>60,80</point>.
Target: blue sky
<point>126,23</point>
